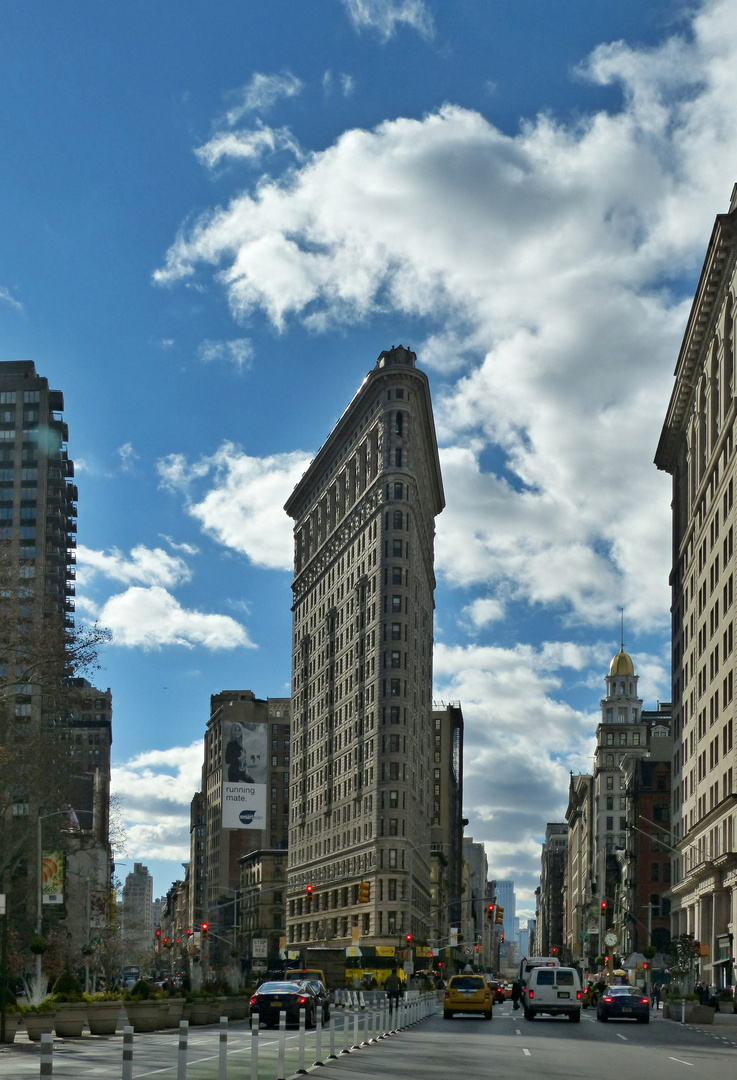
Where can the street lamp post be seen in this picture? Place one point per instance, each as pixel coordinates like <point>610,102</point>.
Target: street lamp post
<point>39,882</point>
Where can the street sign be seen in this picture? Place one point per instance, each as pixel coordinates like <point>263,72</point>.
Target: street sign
<point>260,948</point>
<point>468,950</point>
<point>408,967</point>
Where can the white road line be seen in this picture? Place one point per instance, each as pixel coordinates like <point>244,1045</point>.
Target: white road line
<point>518,1031</point>
<point>622,1037</point>
<point>681,1062</point>
<point>527,1053</point>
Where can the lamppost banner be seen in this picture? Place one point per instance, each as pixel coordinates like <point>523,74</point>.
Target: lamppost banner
<point>244,775</point>
<point>52,877</point>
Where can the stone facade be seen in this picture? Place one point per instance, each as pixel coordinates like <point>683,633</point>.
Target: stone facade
<point>697,447</point>
<point>363,600</point>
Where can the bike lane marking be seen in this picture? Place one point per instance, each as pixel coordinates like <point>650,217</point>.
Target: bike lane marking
<point>527,1053</point>
<point>622,1037</point>
<point>682,1062</point>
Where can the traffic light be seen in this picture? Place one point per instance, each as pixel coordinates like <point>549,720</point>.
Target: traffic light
<point>167,943</point>
<point>364,892</point>
<point>477,947</point>
<point>501,936</point>
<point>554,950</point>
<point>205,928</point>
<point>490,913</point>
<point>408,938</point>
<point>309,889</point>
<point>603,907</point>
<point>499,917</point>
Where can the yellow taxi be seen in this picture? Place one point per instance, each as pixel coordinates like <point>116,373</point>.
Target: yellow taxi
<point>467,994</point>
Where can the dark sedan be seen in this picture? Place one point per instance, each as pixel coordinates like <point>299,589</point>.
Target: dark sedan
<point>623,1003</point>
<point>323,997</point>
<point>271,998</point>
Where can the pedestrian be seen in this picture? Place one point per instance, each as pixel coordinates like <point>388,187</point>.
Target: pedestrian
<point>516,993</point>
<point>655,996</point>
<point>393,988</point>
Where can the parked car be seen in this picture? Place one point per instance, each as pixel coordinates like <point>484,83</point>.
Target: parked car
<point>273,997</point>
<point>623,1003</point>
<point>467,994</point>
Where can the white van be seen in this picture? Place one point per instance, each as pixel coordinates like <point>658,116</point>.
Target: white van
<point>553,990</point>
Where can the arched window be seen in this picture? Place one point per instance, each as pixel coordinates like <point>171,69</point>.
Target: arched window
<point>400,423</point>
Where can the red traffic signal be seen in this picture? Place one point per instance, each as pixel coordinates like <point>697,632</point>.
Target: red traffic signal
<point>490,913</point>
<point>158,933</point>
<point>205,928</point>
<point>408,938</point>
<point>603,905</point>
<point>309,889</point>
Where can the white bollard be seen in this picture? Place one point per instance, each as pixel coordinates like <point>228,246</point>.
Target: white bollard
<point>332,1036</point>
<point>282,1045</point>
<point>361,999</point>
<point>182,1050</point>
<point>301,1067</point>
<point>127,1053</point>
<point>255,1021</point>
<point>223,1049</point>
<point>318,1037</point>
<point>356,1043</point>
<point>47,1055</point>
<point>345,1049</point>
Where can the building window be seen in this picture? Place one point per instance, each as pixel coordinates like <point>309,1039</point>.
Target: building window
<point>610,824</point>
<point>610,802</point>
<point>623,738</point>
<point>635,738</point>
<point>396,632</point>
<point>396,603</point>
<point>398,457</point>
<point>393,858</point>
<point>610,738</point>
<point>610,783</point>
<point>397,551</point>
<point>397,571</point>
<point>655,871</point>
<point>393,800</point>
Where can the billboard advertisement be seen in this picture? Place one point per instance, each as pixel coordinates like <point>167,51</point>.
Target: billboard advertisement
<point>244,775</point>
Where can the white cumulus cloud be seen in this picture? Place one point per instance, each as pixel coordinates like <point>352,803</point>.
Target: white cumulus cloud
<point>151,618</point>
<point>243,498</point>
<point>385,16</point>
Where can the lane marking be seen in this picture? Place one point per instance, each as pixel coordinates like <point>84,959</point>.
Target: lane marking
<point>518,1031</point>
<point>527,1053</point>
<point>682,1062</point>
<point>622,1037</point>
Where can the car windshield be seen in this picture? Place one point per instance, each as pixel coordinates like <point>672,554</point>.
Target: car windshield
<point>468,982</point>
<point>279,988</point>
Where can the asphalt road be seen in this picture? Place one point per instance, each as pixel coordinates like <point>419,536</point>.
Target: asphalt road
<point>466,1047</point>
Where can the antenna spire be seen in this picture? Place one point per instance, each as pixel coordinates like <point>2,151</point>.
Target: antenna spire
<point>621,610</point>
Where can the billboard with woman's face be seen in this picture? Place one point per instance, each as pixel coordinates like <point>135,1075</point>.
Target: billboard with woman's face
<point>244,775</point>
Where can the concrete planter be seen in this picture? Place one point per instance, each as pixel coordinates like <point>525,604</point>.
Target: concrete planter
<point>176,1011</point>
<point>237,1008</point>
<point>102,1016</point>
<point>12,1020</point>
<point>38,1024</point>
<point>70,1019</point>
<point>695,1013</point>
<point>218,1008</point>
<point>143,1015</point>
<point>199,1011</point>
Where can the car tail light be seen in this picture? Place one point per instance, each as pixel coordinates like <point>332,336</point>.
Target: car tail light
<point>578,995</point>
<point>253,1001</point>
<point>302,1001</point>
<point>644,1001</point>
<point>607,999</point>
<point>530,993</point>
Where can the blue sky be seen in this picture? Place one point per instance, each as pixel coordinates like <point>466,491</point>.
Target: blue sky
<point>214,218</point>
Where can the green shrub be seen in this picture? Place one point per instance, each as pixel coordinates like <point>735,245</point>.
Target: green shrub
<point>140,991</point>
<point>66,988</point>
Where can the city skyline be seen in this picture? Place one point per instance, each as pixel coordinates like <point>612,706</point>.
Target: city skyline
<point>214,226</point>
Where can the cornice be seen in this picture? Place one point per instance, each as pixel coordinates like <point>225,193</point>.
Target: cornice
<point>716,273</point>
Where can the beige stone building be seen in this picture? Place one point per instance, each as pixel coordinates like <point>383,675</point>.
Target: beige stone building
<point>263,725</point>
<point>362,735</point>
<point>697,447</point>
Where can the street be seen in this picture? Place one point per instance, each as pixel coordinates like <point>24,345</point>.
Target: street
<point>509,1046</point>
